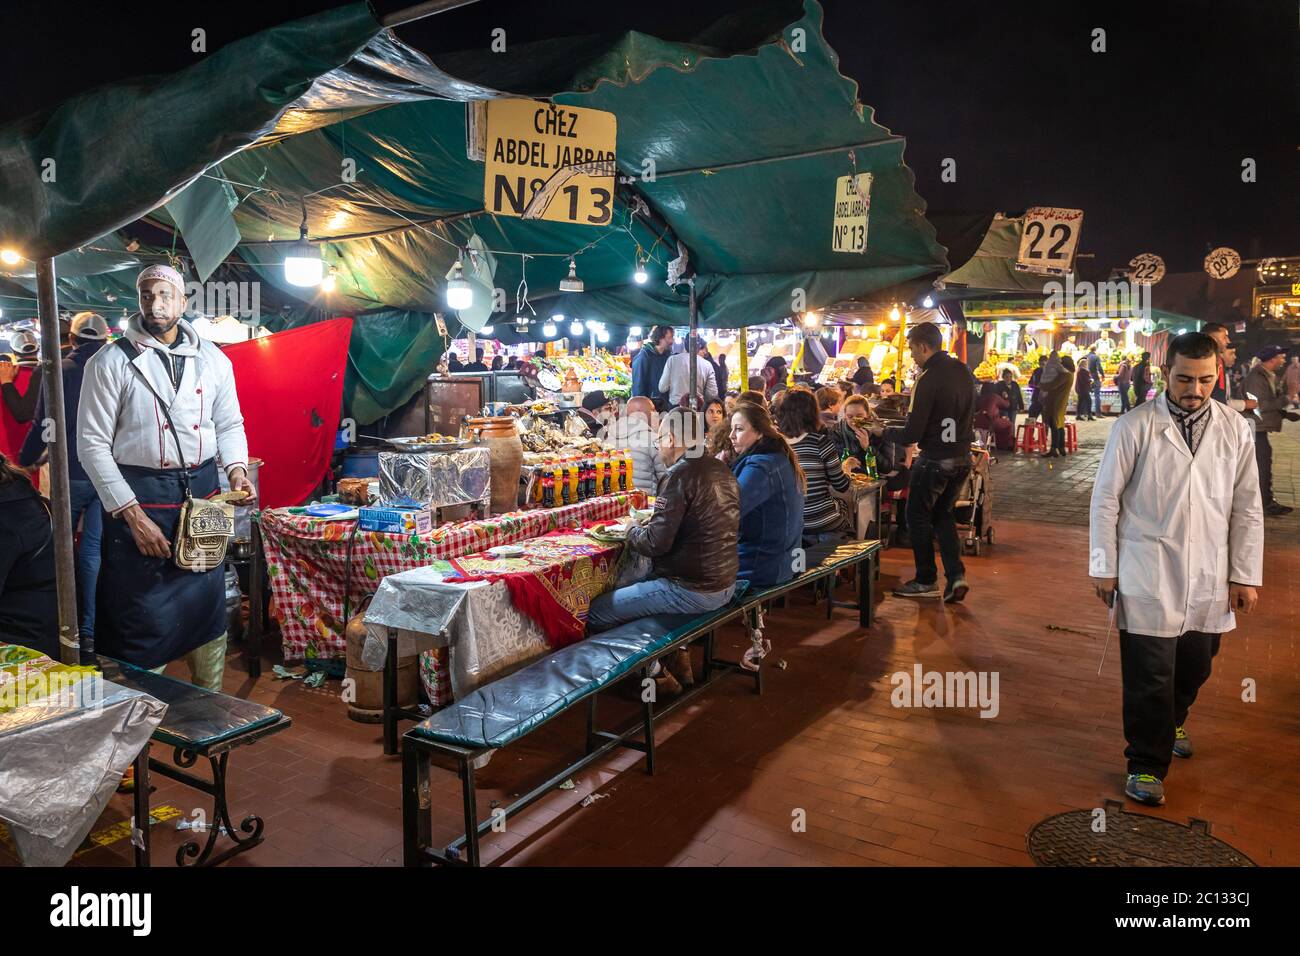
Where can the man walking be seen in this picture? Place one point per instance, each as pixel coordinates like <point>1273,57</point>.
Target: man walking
<point>157,407</point>
<point>943,405</point>
<point>1093,361</point>
<point>1265,384</point>
<point>87,336</point>
<point>675,381</point>
<point>1123,378</point>
<point>1176,544</point>
<point>648,365</point>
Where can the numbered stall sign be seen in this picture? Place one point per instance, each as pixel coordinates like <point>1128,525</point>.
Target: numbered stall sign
<point>1049,240</point>
<point>1223,263</point>
<point>852,206</point>
<point>1146,269</point>
<point>550,162</point>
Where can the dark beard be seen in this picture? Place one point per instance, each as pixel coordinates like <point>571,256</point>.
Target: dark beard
<point>158,327</point>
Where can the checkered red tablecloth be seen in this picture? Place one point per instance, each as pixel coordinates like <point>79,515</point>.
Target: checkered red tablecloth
<point>307,561</point>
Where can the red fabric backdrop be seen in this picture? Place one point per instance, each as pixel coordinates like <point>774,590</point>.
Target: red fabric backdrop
<point>12,434</point>
<point>291,393</point>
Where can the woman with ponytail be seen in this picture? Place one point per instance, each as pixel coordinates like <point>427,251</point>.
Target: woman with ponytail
<point>772,487</point>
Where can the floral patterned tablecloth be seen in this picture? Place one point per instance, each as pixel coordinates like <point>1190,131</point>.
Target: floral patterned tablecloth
<point>307,561</point>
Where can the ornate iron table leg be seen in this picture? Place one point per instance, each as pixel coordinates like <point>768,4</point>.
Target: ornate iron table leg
<point>190,854</point>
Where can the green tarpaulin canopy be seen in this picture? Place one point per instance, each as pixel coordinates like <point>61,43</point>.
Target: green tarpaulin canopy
<point>746,144</point>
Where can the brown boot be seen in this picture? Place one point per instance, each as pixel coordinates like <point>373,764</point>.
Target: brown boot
<point>679,663</point>
<point>665,683</point>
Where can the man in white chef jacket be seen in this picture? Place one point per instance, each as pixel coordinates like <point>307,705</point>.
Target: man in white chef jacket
<point>1177,543</point>
<point>157,408</point>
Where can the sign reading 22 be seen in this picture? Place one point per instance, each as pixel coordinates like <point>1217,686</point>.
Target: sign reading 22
<point>1061,232</point>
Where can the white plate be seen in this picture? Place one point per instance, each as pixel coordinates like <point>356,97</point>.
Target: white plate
<point>616,528</point>
<point>506,551</point>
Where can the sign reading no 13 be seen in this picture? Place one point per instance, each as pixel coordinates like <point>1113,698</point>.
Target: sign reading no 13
<point>550,162</point>
<point>852,207</point>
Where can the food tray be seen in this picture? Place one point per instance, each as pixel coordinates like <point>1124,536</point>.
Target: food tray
<point>419,445</point>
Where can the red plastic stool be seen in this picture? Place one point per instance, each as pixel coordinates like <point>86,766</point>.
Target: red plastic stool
<point>1071,437</point>
<point>1031,436</point>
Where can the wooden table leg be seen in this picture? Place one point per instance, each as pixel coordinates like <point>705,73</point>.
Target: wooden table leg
<point>256,615</point>
<point>140,820</point>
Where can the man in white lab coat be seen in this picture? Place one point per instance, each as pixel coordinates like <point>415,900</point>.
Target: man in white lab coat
<point>157,408</point>
<point>1177,542</point>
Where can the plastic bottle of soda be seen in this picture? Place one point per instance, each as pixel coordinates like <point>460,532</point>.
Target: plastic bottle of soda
<point>548,486</point>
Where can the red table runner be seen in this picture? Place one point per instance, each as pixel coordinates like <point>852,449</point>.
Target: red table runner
<point>553,582</point>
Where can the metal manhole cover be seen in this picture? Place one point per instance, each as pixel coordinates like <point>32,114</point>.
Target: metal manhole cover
<point>1128,839</point>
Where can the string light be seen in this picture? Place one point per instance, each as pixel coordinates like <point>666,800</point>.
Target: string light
<point>572,283</point>
<point>460,294</point>
<point>303,265</point>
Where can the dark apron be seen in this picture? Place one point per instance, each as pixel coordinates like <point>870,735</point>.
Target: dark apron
<point>148,611</point>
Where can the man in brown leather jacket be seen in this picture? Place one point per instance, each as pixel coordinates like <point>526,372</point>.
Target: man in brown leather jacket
<point>691,537</point>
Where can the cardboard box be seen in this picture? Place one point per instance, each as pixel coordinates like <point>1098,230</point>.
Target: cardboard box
<point>395,520</point>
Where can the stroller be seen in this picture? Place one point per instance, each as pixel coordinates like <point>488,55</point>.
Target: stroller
<point>973,508</point>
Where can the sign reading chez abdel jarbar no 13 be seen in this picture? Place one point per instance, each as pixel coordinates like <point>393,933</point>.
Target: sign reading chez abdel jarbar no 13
<point>549,162</point>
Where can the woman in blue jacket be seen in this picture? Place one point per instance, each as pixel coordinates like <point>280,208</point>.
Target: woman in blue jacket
<point>771,497</point>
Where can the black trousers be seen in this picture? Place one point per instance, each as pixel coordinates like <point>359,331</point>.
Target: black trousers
<point>1083,405</point>
<point>1058,439</point>
<point>1264,460</point>
<point>1162,676</point>
<point>930,496</point>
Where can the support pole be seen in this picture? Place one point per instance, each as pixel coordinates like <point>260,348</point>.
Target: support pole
<point>52,383</point>
<point>744,358</point>
<point>692,347</point>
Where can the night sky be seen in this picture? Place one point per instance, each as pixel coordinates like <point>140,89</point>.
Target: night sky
<point>1147,138</point>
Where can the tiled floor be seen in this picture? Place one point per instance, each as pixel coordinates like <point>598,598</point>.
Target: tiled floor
<point>824,747</point>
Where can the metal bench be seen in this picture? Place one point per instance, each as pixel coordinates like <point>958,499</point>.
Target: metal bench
<point>508,709</point>
<point>199,723</point>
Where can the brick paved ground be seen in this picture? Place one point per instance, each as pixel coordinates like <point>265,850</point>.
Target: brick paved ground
<point>878,784</point>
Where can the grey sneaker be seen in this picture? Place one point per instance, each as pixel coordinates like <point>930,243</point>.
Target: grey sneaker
<point>915,588</point>
<point>955,591</point>
<point>1182,743</point>
<point>1145,788</point>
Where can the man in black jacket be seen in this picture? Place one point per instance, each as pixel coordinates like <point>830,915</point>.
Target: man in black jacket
<point>943,405</point>
<point>691,538</point>
<point>29,613</point>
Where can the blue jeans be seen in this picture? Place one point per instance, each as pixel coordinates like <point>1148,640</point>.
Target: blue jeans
<point>655,596</point>
<point>85,504</point>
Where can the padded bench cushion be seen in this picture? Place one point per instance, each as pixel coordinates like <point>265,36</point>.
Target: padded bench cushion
<point>845,554</point>
<point>517,704</point>
<point>195,718</point>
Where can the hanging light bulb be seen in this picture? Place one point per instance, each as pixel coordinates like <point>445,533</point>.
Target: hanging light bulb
<point>602,336</point>
<point>303,265</point>
<point>591,325</point>
<point>460,294</point>
<point>640,275</point>
<point>123,322</point>
<point>572,283</point>
<point>329,282</point>
<point>548,330</point>
<point>928,303</point>
<point>10,257</point>
<point>486,330</point>
<point>635,331</point>
<point>895,314</point>
<point>810,320</point>
<point>576,328</point>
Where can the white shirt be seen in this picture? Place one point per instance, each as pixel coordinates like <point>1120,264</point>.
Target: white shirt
<point>676,378</point>
<point>119,421</point>
<point>1173,528</point>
